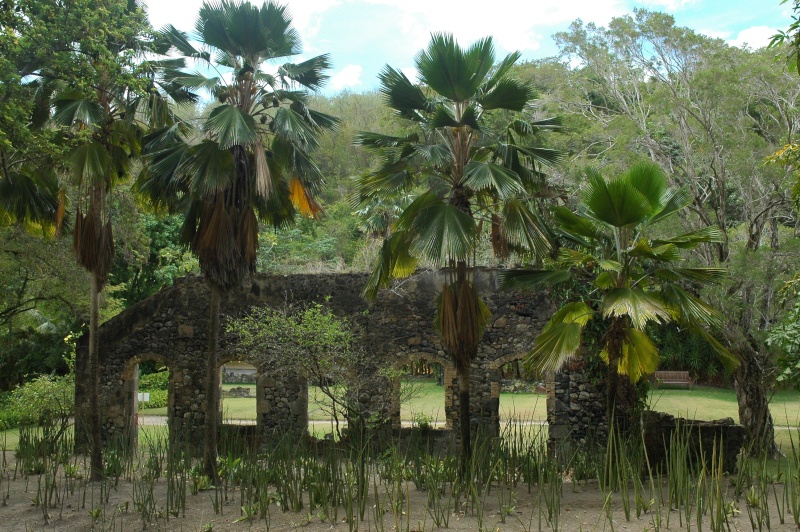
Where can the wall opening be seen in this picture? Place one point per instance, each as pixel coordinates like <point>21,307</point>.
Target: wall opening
<point>148,384</point>
<point>238,396</point>
<point>422,391</point>
<point>522,394</point>
<point>326,412</point>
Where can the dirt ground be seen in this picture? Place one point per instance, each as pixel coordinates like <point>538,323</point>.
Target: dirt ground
<point>582,508</point>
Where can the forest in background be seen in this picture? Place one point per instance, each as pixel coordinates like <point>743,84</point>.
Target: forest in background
<point>708,113</point>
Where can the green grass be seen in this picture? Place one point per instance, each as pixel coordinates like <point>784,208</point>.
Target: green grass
<point>705,403</point>
<point>428,399</point>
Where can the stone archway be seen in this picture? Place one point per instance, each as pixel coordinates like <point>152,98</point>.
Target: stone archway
<point>394,327</point>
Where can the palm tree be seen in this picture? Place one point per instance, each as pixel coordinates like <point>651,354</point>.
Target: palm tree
<point>634,278</point>
<point>104,115</point>
<point>471,175</point>
<point>252,161</point>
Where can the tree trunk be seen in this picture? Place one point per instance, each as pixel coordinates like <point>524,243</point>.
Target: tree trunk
<point>95,432</point>
<point>752,394</point>
<point>464,420</point>
<point>212,388</point>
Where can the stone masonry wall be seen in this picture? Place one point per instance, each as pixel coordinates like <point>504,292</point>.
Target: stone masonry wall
<point>576,411</point>
<point>171,328</point>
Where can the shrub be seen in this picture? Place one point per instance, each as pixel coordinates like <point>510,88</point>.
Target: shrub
<point>158,399</point>
<point>46,400</point>
<point>154,381</point>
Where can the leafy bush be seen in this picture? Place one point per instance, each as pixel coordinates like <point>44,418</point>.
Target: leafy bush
<point>46,400</point>
<point>154,381</point>
<point>158,399</point>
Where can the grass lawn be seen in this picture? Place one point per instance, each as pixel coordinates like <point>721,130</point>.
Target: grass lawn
<point>716,403</point>
<point>698,403</point>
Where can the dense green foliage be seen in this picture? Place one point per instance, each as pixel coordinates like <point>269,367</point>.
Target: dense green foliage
<point>641,88</point>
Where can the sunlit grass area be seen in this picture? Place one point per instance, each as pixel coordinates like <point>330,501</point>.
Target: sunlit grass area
<point>716,403</point>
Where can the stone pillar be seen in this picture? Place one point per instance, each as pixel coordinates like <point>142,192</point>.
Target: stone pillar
<point>282,407</point>
<point>576,410</point>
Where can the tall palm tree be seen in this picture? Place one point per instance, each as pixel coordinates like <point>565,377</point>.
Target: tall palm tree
<point>471,174</point>
<point>635,278</point>
<point>104,114</point>
<point>252,159</point>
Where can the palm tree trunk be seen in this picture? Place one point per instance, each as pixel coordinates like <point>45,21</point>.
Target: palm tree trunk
<point>212,388</point>
<point>464,420</point>
<point>96,445</point>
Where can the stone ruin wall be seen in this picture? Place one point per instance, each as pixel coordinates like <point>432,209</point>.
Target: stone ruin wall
<point>396,328</point>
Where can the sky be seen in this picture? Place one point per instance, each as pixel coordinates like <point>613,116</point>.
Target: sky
<point>362,36</point>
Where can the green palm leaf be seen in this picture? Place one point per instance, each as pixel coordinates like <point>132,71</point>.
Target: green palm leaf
<point>697,275</point>
<point>688,309</point>
<point>663,253</point>
<point>501,69</point>
<point>441,232</point>
<point>521,226</point>
<point>197,81</point>
<point>179,40</point>
<point>90,162</point>
<point>436,154</point>
<point>490,176</point>
<point>560,338</point>
<point>394,261</point>
<point>576,224</point>
<point>674,201</point>
<point>639,355</point>
<point>390,180</point>
<point>710,234</point>
<point>616,202</point>
<point>730,360</point>
<point>309,73</point>
<point>507,94</point>
<point>402,95</point>
<point>231,126</point>
<point>292,126</point>
<point>650,181</point>
<point>453,72</point>
<point>208,168</point>
<point>68,112</point>
<point>532,279</point>
<point>546,156</point>
<point>639,306</point>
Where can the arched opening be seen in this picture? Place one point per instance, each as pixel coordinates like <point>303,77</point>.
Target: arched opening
<point>424,388</point>
<point>148,385</point>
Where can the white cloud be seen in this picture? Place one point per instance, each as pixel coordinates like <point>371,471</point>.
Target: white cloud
<point>754,37</point>
<point>305,14</point>
<point>472,19</point>
<point>411,73</point>
<point>668,5</point>
<point>349,76</point>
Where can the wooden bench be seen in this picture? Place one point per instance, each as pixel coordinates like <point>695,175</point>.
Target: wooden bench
<point>674,378</point>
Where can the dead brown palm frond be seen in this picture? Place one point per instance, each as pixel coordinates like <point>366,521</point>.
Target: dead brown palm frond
<point>248,238</point>
<point>263,176</point>
<point>447,318</point>
<point>104,254</point>
<point>468,324</point>
<point>499,244</point>
<point>61,211</point>
<point>214,246</point>
<point>76,234</point>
